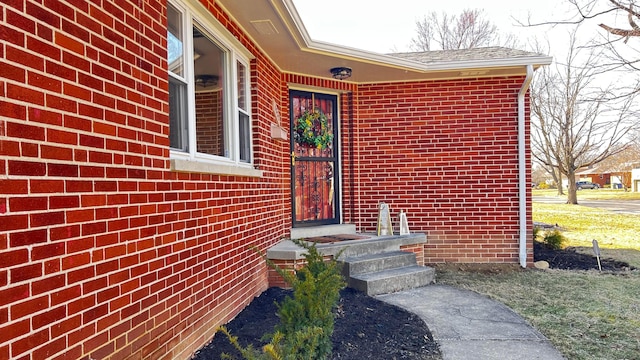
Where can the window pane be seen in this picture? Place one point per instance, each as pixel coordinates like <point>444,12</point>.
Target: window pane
<point>209,63</point>
<point>242,86</point>
<point>175,51</point>
<point>244,122</point>
<point>245,136</point>
<point>178,115</point>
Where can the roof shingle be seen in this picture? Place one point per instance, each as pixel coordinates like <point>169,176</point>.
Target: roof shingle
<point>474,54</point>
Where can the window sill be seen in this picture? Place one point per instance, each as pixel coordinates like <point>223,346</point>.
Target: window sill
<point>180,165</point>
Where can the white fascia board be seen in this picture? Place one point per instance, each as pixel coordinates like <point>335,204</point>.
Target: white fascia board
<point>392,61</point>
<point>490,63</point>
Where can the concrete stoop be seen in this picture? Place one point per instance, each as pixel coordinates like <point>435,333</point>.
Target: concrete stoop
<point>375,265</point>
<point>386,272</point>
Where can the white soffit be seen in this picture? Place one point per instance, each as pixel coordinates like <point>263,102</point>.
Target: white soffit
<point>277,29</point>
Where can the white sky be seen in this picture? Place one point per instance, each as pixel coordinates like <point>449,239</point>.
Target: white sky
<point>388,26</point>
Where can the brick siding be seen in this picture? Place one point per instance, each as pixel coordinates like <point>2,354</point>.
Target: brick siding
<point>446,153</point>
<point>107,253</point>
<point>209,129</point>
<point>104,252</point>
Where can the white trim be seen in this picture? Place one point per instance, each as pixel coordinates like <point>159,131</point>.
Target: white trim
<point>248,100</point>
<point>215,27</point>
<point>327,91</point>
<point>449,65</point>
<point>195,166</point>
<point>522,167</point>
<point>339,153</point>
<point>195,14</point>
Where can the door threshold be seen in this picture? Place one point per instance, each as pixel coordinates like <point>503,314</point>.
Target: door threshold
<point>323,230</point>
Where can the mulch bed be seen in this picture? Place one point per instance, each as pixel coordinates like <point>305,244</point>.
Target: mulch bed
<point>365,328</point>
<point>569,259</point>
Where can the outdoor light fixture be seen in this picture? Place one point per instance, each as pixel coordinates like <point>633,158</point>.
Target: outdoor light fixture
<point>341,72</point>
<point>205,80</point>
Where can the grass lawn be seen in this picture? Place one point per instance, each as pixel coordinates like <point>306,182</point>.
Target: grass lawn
<point>586,314</point>
<point>582,224</point>
<point>599,194</point>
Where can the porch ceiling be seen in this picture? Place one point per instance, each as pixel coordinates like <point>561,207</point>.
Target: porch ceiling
<point>278,30</point>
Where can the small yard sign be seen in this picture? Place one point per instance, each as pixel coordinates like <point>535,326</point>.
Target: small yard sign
<point>596,250</point>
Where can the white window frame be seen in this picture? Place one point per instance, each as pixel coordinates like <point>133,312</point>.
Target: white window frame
<point>194,14</point>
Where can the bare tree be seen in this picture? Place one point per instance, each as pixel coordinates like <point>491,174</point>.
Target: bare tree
<point>540,173</point>
<point>634,143</point>
<point>449,32</point>
<point>601,10</point>
<point>620,53</point>
<point>575,122</point>
<point>543,149</point>
<point>591,9</point>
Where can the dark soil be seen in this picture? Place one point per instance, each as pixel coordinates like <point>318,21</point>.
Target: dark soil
<point>365,328</point>
<point>569,259</point>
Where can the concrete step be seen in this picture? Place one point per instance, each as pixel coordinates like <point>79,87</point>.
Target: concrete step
<point>324,230</point>
<point>392,280</point>
<point>374,246</point>
<point>376,262</point>
<point>287,250</point>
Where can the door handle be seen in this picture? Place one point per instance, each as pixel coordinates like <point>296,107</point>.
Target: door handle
<point>293,158</point>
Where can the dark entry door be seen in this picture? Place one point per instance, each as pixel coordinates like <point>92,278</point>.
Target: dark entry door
<point>314,158</point>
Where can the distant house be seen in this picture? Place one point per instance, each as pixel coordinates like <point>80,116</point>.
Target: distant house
<point>617,178</point>
<point>148,147</point>
<point>635,179</point>
<point>596,175</point>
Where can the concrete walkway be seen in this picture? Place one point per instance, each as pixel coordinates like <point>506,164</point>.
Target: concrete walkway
<point>468,325</point>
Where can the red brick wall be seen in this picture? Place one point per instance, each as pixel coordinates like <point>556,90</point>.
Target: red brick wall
<point>601,179</point>
<point>349,158</point>
<point>209,129</point>
<point>446,153</point>
<point>105,252</point>
<point>275,279</point>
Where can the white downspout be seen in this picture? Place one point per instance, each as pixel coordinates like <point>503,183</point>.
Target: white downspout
<point>522,167</point>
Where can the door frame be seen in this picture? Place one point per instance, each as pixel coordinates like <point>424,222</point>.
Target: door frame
<point>337,170</point>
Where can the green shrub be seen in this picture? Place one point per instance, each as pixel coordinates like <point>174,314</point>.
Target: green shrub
<point>307,318</point>
<point>316,291</point>
<point>536,233</point>
<point>275,349</point>
<point>554,239</point>
<point>249,352</point>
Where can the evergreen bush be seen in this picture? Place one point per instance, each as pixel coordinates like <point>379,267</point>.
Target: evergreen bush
<point>554,239</point>
<point>307,318</point>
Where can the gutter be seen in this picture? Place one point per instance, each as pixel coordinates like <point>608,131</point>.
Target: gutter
<point>522,167</point>
<point>418,66</point>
